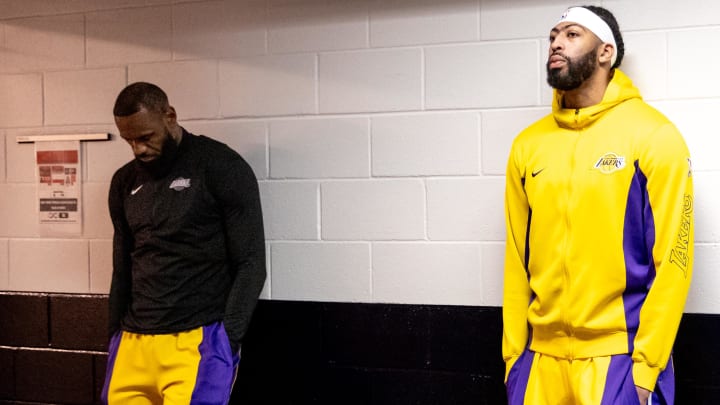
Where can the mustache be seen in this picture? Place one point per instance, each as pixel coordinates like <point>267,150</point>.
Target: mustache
<point>556,54</point>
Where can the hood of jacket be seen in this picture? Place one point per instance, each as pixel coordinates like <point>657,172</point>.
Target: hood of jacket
<point>620,89</point>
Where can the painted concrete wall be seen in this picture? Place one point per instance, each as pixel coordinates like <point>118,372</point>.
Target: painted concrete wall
<point>378,130</point>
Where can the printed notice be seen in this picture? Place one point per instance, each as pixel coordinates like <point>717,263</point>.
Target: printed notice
<point>59,188</point>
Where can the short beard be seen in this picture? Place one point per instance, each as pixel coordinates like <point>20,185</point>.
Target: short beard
<point>161,165</point>
<point>578,70</point>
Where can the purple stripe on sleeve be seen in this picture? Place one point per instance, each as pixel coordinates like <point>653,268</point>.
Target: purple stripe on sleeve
<point>638,242</point>
<point>527,243</point>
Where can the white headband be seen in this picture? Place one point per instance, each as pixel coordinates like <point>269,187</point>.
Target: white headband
<point>591,21</point>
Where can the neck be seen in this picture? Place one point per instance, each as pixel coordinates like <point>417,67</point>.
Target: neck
<point>589,93</point>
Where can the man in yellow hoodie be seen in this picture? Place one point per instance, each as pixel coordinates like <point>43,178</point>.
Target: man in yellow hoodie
<point>599,213</point>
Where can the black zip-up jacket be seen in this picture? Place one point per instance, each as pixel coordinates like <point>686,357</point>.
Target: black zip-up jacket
<point>189,246</point>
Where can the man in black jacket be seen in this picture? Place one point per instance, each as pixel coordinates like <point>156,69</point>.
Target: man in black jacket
<point>188,259</point>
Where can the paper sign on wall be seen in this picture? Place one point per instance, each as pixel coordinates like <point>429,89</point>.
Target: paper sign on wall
<point>59,187</point>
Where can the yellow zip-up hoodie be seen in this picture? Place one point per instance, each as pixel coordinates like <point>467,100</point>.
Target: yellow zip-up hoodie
<point>599,214</point>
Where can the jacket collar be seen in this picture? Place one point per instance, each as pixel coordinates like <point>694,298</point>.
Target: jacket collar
<point>619,89</point>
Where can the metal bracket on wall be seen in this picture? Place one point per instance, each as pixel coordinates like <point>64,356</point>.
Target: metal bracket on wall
<point>63,137</point>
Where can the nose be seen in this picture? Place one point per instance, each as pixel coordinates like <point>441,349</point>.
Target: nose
<point>556,44</point>
<point>138,147</point>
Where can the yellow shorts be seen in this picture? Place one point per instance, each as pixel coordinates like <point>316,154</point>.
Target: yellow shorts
<point>538,379</point>
<point>192,367</point>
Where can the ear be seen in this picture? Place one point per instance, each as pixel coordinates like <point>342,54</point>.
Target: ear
<point>606,53</point>
<point>170,116</point>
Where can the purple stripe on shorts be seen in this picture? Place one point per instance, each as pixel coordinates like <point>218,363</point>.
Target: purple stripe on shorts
<point>112,354</point>
<point>664,393</point>
<point>216,372</point>
<point>619,385</point>
<point>517,380</point>
<point>638,242</point>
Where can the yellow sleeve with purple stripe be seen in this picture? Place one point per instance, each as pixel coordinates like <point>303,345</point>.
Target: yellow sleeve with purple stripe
<point>670,192</point>
<point>516,294</point>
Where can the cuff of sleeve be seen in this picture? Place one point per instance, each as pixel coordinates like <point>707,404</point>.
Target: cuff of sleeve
<point>645,376</point>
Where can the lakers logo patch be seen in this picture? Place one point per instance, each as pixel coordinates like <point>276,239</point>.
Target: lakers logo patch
<point>610,162</point>
<point>180,184</point>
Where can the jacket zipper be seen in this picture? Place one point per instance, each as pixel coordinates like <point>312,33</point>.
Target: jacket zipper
<point>568,224</point>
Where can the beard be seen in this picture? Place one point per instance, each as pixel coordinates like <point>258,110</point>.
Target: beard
<point>578,70</point>
<point>161,165</point>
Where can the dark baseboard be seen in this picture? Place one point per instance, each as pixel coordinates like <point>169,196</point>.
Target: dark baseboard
<point>295,353</point>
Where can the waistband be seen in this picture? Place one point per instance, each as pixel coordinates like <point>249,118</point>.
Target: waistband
<point>579,346</point>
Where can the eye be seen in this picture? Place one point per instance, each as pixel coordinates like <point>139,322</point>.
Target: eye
<point>572,34</point>
<point>139,140</point>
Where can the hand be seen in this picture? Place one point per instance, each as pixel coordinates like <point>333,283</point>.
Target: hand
<point>643,395</point>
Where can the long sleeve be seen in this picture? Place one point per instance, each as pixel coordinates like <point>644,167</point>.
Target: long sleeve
<point>236,188</point>
<point>120,287</point>
<point>517,293</point>
<point>670,190</point>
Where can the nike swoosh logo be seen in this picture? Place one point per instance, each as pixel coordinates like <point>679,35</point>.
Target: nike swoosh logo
<point>537,172</point>
<point>134,191</point>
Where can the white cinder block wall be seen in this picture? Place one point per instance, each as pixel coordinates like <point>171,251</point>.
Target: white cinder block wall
<point>378,130</point>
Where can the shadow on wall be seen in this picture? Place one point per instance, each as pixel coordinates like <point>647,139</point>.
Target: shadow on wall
<point>233,25</point>
<point>266,35</point>
<point>265,48</point>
